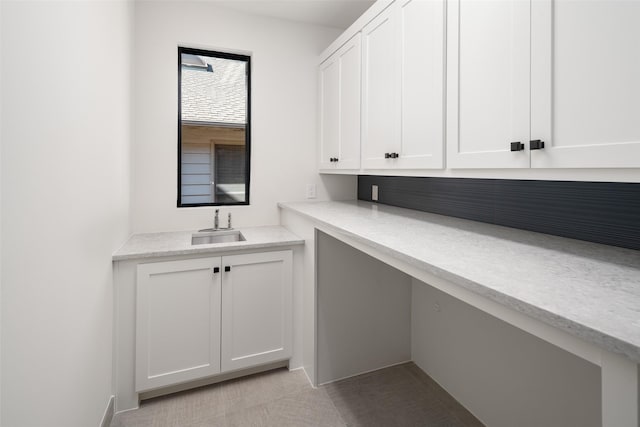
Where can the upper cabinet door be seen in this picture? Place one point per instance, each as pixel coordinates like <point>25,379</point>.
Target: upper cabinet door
<point>421,33</point>
<point>380,94</point>
<point>340,108</point>
<point>329,112</point>
<point>488,83</point>
<point>585,83</point>
<point>350,56</point>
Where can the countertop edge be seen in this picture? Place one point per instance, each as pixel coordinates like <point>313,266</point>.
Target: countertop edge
<point>206,250</point>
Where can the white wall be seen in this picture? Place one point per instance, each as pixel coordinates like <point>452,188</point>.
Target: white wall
<point>504,376</point>
<point>284,103</point>
<point>66,72</point>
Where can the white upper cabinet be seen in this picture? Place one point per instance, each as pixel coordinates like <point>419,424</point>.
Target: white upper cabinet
<point>488,73</point>
<point>380,84</point>
<point>561,72</point>
<point>507,84</point>
<point>421,39</point>
<point>403,87</point>
<point>329,112</point>
<point>350,56</point>
<point>340,108</point>
<point>585,85</point>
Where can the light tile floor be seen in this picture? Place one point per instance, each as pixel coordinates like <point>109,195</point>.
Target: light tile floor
<point>402,395</point>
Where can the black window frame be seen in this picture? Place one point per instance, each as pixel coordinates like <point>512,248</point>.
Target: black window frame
<point>247,132</point>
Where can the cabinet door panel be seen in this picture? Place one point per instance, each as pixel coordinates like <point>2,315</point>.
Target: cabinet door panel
<point>177,322</point>
<point>329,112</point>
<point>256,309</point>
<point>585,83</point>
<point>380,96</point>
<point>422,64</point>
<point>488,79</point>
<point>350,57</point>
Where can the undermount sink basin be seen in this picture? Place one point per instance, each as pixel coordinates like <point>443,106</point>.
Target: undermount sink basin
<point>217,237</point>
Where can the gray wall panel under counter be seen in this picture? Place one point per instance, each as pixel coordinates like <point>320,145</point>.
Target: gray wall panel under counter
<point>364,312</point>
<point>601,212</point>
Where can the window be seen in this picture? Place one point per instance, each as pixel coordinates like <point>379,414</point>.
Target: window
<point>214,110</point>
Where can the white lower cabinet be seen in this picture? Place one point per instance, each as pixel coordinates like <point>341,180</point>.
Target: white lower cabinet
<point>177,322</point>
<point>200,317</point>
<point>256,309</point>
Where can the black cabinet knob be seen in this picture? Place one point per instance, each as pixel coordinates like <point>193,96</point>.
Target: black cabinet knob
<point>395,155</point>
<point>536,144</point>
<point>333,159</point>
<point>387,155</point>
<point>216,270</point>
<point>517,146</point>
<point>227,268</point>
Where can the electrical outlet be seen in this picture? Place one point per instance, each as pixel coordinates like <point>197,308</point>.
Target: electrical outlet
<point>374,193</point>
<point>311,191</point>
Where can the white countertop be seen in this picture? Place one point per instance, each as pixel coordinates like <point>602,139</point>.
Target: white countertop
<point>586,289</point>
<point>150,245</point>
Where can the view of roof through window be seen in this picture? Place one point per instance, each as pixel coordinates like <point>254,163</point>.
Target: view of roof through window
<point>214,132</point>
<point>214,90</point>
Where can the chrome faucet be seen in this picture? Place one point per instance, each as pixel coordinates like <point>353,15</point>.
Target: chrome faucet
<point>216,221</point>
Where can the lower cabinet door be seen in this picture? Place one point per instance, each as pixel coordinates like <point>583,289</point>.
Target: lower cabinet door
<point>256,309</point>
<point>177,322</point>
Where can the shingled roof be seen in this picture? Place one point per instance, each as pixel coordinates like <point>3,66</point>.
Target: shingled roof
<point>215,97</point>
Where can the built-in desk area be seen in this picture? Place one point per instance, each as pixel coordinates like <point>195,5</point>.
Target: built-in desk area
<point>494,294</point>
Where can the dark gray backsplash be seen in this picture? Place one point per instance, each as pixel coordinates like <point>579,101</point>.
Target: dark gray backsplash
<point>601,212</point>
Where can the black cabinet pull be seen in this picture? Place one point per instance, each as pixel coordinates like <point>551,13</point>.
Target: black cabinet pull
<point>517,146</point>
<point>227,268</point>
<point>333,159</point>
<point>387,155</point>
<point>216,270</point>
<point>536,144</point>
<point>395,155</point>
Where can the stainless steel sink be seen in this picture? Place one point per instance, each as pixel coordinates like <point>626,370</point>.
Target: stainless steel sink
<point>216,237</point>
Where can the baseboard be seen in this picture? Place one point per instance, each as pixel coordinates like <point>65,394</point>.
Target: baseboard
<point>108,413</point>
<point>307,375</point>
<point>212,380</point>
<point>364,372</point>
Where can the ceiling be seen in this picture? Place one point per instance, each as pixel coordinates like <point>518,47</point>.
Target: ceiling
<point>331,13</point>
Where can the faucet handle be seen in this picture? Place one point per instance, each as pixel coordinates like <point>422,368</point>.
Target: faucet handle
<point>215,219</point>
